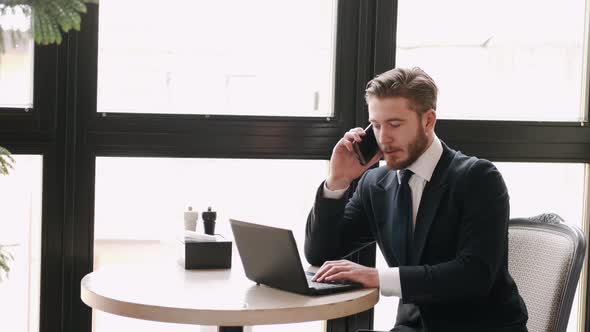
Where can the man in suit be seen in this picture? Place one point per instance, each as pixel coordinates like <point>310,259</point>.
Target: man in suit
<point>440,218</point>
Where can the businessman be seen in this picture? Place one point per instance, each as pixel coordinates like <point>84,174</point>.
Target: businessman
<point>439,217</point>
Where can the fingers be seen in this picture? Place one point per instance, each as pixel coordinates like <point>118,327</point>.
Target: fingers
<point>326,268</point>
<point>346,143</point>
<point>347,270</point>
<point>343,275</point>
<point>353,135</point>
<point>332,271</point>
<point>366,276</point>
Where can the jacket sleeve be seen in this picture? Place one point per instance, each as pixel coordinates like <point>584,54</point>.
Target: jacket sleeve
<point>481,243</point>
<point>336,227</point>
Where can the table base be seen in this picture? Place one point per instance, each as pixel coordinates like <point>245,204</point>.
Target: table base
<point>230,329</point>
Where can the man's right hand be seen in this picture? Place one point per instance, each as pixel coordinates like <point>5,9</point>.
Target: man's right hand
<point>344,165</point>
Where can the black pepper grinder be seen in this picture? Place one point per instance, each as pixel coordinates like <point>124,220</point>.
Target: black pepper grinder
<point>209,221</point>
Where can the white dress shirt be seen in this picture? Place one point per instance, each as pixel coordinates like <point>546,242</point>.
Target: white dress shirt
<point>423,168</point>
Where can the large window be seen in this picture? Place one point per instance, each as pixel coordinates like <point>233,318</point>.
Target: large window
<point>16,63</point>
<point>501,60</point>
<point>231,57</point>
<point>140,204</point>
<point>20,234</point>
<point>172,63</point>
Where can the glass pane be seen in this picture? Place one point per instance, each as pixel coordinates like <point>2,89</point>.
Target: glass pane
<point>16,63</point>
<point>529,196</point>
<point>232,57</point>
<point>276,192</point>
<point>20,232</point>
<point>498,59</point>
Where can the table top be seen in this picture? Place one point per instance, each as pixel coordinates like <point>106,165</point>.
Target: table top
<point>169,293</point>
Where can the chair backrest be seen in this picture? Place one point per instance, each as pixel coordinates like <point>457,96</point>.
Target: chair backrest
<point>545,259</point>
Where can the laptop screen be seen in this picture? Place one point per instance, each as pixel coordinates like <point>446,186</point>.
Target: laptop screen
<point>269,255</point>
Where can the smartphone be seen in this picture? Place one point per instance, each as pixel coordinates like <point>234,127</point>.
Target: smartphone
<point>366,149</point>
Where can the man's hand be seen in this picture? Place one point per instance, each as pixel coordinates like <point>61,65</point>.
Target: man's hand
<point>344,165</point>
<point>346,270</point>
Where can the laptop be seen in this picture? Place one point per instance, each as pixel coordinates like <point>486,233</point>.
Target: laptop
<point>270,257</point>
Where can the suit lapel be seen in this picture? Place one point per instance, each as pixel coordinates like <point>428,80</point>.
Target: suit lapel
<point>429,203</point>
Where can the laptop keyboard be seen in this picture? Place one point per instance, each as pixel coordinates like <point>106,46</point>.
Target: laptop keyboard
<point>323,285</point>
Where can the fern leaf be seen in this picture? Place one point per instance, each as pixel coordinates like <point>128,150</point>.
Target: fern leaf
<point>4,151</point>
<point>6,161</point>
<point>79,6</point>
<point>5,167</point>
<point>56,31</point>
<point>77,21</point>
<point>44,22</point>
<point>4,258</point>
<point>46,29</point>
<point>53,29</point>
<point>50,17</point>
<point>42,32</point>
<point>70,10</point>
<point>37,33</point>
<point>4,266</point>
<point>59,14</point>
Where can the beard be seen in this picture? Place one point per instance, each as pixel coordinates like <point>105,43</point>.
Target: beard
<point>414,150</point>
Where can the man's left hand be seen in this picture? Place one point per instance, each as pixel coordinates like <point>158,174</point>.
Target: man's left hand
<point>346,270</point>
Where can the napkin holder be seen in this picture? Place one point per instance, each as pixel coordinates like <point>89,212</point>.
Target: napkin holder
<point>195,254</point>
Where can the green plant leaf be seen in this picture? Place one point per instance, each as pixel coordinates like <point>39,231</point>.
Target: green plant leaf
<point>79,6</point>
<point>59,14</point>
<point>5,256</point>
<point>49,17</point>
<point>6,161</point>
<point>38,27</point>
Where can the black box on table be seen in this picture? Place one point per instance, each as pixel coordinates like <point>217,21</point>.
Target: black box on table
<point>205,255</point>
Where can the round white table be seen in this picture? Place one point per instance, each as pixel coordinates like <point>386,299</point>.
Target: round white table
<point>225,298</point>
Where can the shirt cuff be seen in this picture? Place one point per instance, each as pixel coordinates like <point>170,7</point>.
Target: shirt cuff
<point>389,282</point>
<point>333,194</point>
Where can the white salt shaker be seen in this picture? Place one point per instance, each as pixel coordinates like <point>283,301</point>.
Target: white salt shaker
<point>190,219</point>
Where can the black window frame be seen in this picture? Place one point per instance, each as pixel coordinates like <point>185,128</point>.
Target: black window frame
<point>65,128</point>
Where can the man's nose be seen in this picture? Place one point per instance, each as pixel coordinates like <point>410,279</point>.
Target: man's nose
<point>384,136</point>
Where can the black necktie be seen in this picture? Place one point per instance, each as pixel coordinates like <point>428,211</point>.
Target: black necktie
<point>402,215</point>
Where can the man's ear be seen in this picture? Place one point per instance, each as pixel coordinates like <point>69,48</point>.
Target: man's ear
<point>429,120</point>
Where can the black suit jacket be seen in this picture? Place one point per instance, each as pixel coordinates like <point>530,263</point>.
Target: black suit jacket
<point>457,273</point>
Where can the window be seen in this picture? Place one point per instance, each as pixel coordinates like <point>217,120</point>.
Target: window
<point>536,188</point>
<point>226,57</point>
<point>140,204</point>
<point>177,49</point>
<point>20,231</point>
<point>500,60</point>
<point>16,64</point>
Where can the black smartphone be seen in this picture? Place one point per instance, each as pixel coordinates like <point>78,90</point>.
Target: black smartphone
<point>367,148</point>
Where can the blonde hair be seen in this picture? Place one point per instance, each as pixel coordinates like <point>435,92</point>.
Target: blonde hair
<point>411,83</point>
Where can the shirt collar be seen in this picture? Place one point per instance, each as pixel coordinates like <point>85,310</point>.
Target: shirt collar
<point>425,164</point>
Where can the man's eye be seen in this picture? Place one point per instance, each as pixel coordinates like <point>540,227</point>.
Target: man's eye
<point>394,124</point>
